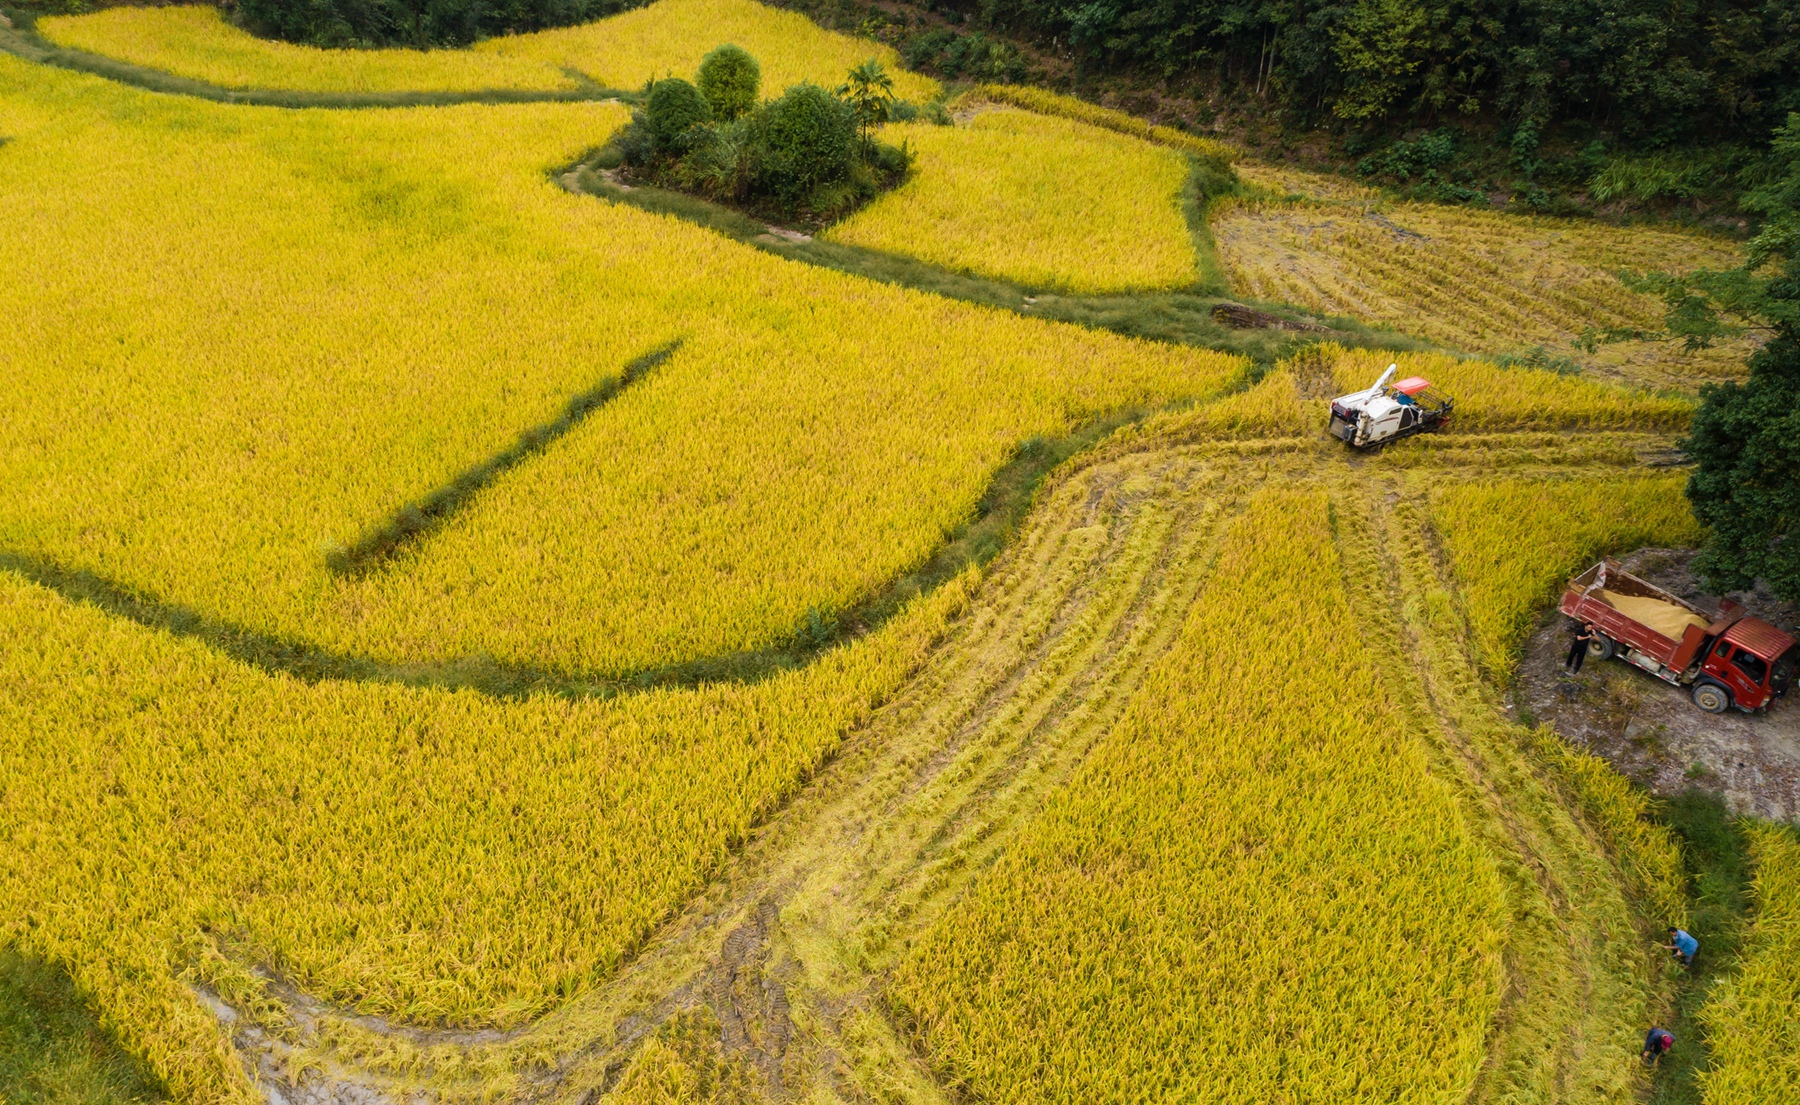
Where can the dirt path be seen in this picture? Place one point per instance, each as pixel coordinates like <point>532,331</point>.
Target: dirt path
<point>1652,732</point>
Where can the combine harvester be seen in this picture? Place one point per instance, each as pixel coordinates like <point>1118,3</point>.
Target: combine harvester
<point>1729,660</point>
<point>1388,412</point>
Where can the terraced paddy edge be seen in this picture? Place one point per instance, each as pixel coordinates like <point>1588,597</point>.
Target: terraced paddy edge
<point>1037,200</point>
<point>1481,281</point>
<point>346,230</point>
<point>23,42</point>
<point>997,516</point>
<point>1183,318</point>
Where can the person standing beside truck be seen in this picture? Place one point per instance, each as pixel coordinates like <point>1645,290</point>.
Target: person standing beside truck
<point>1578,648</point>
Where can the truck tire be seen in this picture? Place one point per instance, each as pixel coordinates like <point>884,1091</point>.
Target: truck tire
<point>1602,647</point>
<point>1712,698</point>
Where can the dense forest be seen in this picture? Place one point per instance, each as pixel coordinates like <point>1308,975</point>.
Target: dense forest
<point>1652,71</point>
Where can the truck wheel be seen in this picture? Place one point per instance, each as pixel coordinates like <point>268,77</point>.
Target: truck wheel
<point>1712,698</point>
<point>1602,647</point>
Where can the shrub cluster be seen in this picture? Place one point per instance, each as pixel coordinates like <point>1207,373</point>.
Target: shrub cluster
<point>810,151</point>
<point>971,56</point>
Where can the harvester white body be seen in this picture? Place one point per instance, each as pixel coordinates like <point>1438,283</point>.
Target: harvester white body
<point>1388,411</point>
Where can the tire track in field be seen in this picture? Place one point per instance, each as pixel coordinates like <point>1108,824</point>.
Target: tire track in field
<point>788,949</point>
<point>1551,1038</point>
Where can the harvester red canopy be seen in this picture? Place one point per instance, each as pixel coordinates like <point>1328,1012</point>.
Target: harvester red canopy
<point>1412,385</point>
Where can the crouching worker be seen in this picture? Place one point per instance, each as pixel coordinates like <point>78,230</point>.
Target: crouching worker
<point>1682,946</point>
<point>1657,1044</point>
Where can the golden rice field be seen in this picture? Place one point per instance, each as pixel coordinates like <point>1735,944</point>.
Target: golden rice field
<point>1754,1018</point>
<point>670,37</point>
<point>1253,889</point>
<point>195,41</point>
<point>1044,102</point>
<point>634,544</point>
<point>1204,788</point>
<point>437,857</point>
<point>1043,201</point>
<point>1480,281</point>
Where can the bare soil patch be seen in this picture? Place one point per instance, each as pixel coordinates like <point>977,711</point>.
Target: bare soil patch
<point>1652,732</point>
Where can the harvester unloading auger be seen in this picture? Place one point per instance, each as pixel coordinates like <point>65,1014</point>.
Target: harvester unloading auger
<point>1387,412</point>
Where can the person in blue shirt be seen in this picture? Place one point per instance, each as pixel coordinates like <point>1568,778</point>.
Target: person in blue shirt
<point>1657,1043</point>
<point>1682,945</point>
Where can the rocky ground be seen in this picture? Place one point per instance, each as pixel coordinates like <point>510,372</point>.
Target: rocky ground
<point>1652,732</point>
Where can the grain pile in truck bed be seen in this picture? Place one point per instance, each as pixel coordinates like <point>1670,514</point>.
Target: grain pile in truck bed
<point>1665,617</point>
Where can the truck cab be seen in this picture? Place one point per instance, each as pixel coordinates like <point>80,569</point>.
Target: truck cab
<point>1752,663</point>
<point>1728,658</point>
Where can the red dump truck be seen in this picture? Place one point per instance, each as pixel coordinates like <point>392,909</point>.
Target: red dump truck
<point>1729,659</point>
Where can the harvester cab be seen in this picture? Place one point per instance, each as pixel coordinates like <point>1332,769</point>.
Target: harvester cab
<point>1389,411</point>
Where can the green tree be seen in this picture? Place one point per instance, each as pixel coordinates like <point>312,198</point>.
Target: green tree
<point>731,81</point>
<point>1379,49</point>
<point>1745,440</point>
<point>804,139</point>
<point>1746,483</point>
<point>870,94</point>
<point>671,112</point>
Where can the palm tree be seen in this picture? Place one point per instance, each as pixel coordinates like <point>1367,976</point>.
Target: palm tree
<point>870,92</point>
